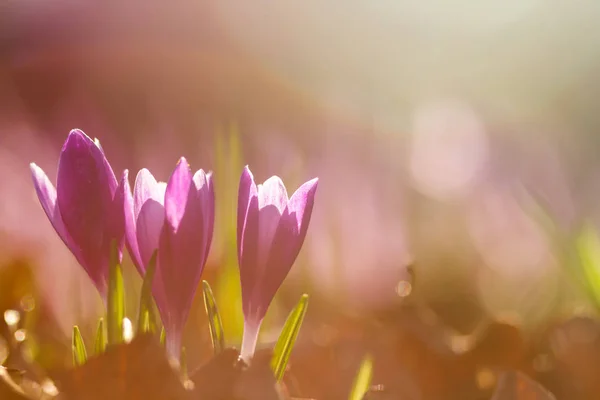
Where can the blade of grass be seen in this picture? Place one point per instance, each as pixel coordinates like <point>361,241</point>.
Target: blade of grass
<point>100,342</point>
<point>163,336</point>
<point>146,320</point>
<point>287,339</point>
<point>362,382</point>
<point>214,319</point>
<point>183,365</point>
<point>116,299</point>
<point>588,250</point>
<point>78,348</point>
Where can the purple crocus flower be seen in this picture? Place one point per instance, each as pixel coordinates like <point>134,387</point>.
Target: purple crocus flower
<point>270,232</point>
<point>86,208</point>
<point>177,219</point>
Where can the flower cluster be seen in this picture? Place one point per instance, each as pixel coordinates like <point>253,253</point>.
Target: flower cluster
<point>92,212</point>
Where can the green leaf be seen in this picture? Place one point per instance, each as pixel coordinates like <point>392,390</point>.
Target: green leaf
<point>214,319</point>
<point>78,347</point>
<point>362,382</point>
<point>588,249</point>
<point>116,299</point>
<point>100,343</point>
<point>144,322</point>
<point>287,339</point>
<point>163,336</point>
<point>146,319</point>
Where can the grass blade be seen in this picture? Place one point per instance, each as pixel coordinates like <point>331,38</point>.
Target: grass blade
<point>287,339</point>
<point>183,367</point>
<point>116,299</point>
<point>588,250</point>
<point>214,319</point>
<point>163,336</point>
<point>100,342</point>
<point>146,320</point>
<point>362,382</point>
<point>78,347</point>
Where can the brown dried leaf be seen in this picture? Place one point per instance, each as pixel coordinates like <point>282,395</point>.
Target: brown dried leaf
<point>8,389</point>
<point>518,386</point>
<point>258,381</point>
<point>135,371</point>
<point>215,380</point>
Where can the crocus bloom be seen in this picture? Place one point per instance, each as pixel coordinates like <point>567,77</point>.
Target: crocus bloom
<point>270,232</point>
<point>177,219</point>
<point>86,208</point>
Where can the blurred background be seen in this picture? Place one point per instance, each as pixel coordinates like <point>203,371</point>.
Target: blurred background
<point>455,144</point>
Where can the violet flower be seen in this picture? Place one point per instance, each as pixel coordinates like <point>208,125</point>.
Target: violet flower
<point>270,232</point>
<point>177,219</point>
<point>86,208</point>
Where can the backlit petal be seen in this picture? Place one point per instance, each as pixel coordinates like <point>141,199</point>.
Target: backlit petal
<point>85,189</point>
<point>146,188</point>
<point>246,191</point>
<point>286,244</point>
<point>178,193</point>
<point>204,185</point>
<point>149,214</point>
<point>130,230</point>
<point>182,251</point>
<point>149,226</point>
<point>47,195</point>
<point>273,192</point>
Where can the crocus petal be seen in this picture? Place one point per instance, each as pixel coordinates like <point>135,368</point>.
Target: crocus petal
<point>145,188</point>
<point>199,179</point>
<point>250,338</point>
<point>149,226</point>
<point>130,229</point>
<point>268,221</point>
<point>291,231</point>
<point>246,191</point>
<point>272,200</point>
<point>47,195</point>
<point>98,154</point>
<point>210,214</point>
<point>273,192</point>
<point>206,195</point>
<point>97,143</point>
<point>247,237</point>
<point>178,193</point>
<point>181,252</point>
<point>149,214</point>
<point>286,245</point>
<point>85,189</point>
<point>301,204</point>
<point>116,218</point>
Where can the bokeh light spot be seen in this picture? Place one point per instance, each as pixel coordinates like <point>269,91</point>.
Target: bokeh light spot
<point>20,335</point>
<point>449,149</point>
<point>12,317</point>
<point>127,330</point>
<point>404,288</point>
